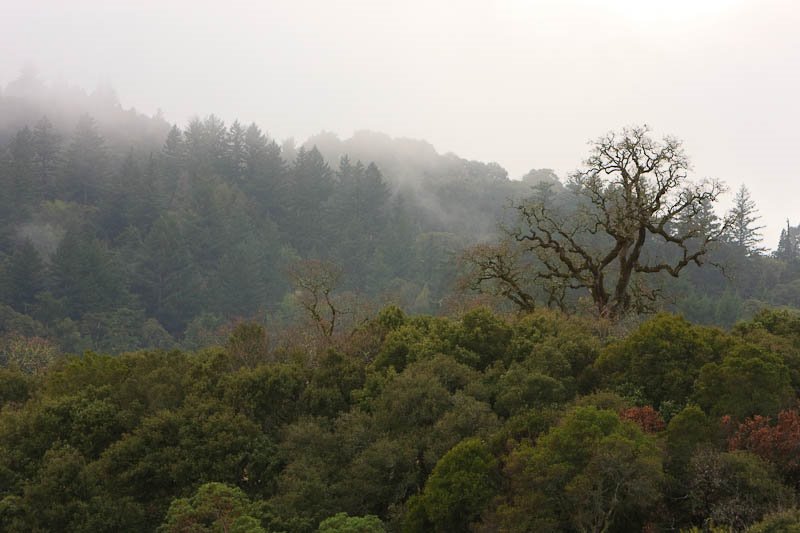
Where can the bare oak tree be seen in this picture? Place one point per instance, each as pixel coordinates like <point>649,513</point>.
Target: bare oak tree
<point>314,282</point>
<point>496,269</point>
<point>500,269</point>
<point>616,223</point>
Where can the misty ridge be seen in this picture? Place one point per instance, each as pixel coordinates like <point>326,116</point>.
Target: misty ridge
<point>412,167</point>
<point>203,328</point>
<point>400,267</point>
<point>207,205</point>
<point>129,224</point>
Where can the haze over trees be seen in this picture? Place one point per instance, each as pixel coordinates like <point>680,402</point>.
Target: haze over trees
<point>114,223</point>
<point>205,329</point>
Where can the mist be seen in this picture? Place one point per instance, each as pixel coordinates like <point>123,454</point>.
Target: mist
<point>399,266</point>
<point>525,84</point>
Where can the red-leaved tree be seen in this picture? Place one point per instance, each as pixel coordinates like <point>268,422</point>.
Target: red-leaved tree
<point>645,417</point>
<point>778,443</point>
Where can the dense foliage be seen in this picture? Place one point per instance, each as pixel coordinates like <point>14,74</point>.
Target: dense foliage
<point>119,231</point>
<point>122,232</point>
<point>236,374</point>
<point>542,422</point>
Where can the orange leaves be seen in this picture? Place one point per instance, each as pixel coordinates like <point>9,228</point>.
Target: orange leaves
<point>778,443</point>
<point>645,417</point>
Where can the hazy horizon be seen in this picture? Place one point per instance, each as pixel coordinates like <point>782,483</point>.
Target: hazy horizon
<point>525,84</point>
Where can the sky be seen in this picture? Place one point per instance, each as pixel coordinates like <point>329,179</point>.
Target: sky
<point>523,83</point>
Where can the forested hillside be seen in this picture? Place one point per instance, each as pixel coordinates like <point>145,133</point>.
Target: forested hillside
<point>203,328</point>
<point>120,232</point>
<point>123,233</point>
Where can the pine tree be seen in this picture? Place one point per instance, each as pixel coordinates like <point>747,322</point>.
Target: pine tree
<point>789,244</point>
<point>703,220</point>
<point>309,185</point>
<point>47,146</point>
<point>86,172</point>
<point>174,150</point>
<point>22,155</point>
<point>743,232</point>
<point>216,144</point>
<point>8,203</point>
<point>207,147</point>
<point>237,152</point>
<point>399,238</point>
<point>242,277</point>
<point>85,273</point>
<point>265,172</point>
<point>124,193</point>
<point>166,274</point>
<point>357,215</point>
<point>172,167</point>
<point>22,276</point>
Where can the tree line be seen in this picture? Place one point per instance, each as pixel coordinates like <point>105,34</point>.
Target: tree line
<point>120,249</point>
<point>116,252</point>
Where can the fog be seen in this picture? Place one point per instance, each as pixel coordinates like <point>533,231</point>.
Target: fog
<point>523,83</point>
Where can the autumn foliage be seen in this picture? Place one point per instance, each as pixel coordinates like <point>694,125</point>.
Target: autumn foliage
<point>777,442</point>
<point>645,417</point>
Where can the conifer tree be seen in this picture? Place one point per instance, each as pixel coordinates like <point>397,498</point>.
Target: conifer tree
<point>174,148</point>
<point>22,276</point>
<point>264,172</point>
<point>22,154</point>
<point>46,145</point>
<point>789,244</point>
<point>309,185</point>
<point>743,231</point>
<point>86,172</point>
<point>237,152</point>
<point>85,273</point>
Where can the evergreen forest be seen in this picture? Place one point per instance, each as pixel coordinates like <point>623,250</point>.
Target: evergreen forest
<point>203,328</point>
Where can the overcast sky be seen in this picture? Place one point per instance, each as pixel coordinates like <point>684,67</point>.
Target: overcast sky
<point>522,82</point>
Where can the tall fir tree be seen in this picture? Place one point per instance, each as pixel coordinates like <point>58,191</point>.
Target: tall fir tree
<point>47,148</point>
<point>84,272</point>
<point>789,244</point>
<point>237,153</point>
<point>207,147</point>
<point>166,274</point>
<point>86,173</point>
<point>309,185</point>
<point>356,216</point>
<point>23,153</point>
<point>174,150</point>
<point>22,277</point>
<point>123,194</point>
<point>265,172</point>
<point>743,231</point>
